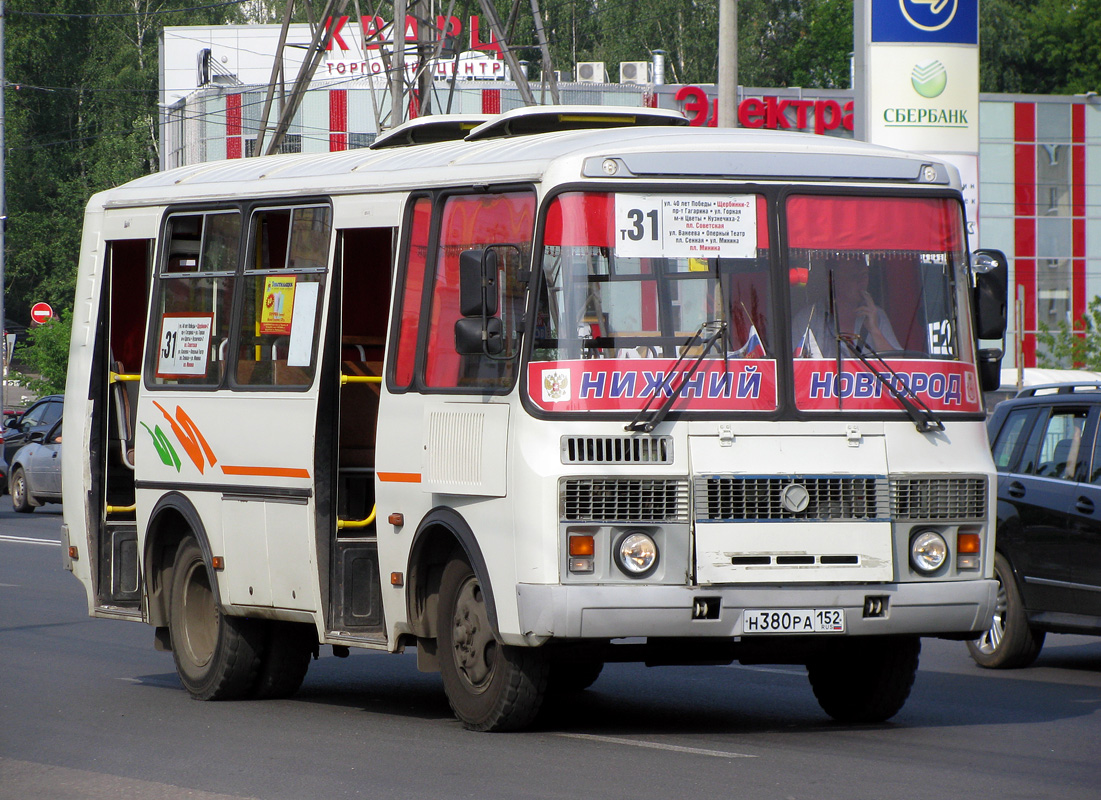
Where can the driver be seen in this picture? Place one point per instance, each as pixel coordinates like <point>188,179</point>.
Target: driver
<point>857,314</point>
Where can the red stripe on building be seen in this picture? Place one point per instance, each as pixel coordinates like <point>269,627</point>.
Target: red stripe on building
<point>233,126</point>
<point>1024,226</point>
<point>491,101</point>
<point>338,120</point>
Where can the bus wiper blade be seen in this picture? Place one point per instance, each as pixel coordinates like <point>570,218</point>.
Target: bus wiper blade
<point>713,330</point>
<point>923,416</point>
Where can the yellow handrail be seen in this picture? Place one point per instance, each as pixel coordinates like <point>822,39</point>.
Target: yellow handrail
<point>359,379</point>
<point>121,509</point>
<point>118,376</point>
<point>357,523</point>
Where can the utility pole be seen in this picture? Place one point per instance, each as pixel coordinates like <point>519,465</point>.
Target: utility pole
<point>728,64</point>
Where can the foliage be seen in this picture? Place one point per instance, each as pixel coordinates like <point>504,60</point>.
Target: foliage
<point>81,96</point>
<point>46,354</point>
<point>1067,345</point>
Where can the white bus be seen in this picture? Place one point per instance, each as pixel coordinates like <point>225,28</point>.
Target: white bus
<point>534,401</point>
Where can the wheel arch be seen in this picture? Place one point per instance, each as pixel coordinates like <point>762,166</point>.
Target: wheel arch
<point>172,520</point>
<point>441,535</point>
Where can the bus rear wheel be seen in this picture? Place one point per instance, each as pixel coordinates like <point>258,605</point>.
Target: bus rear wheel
<point>490,686</point>
<point>217,656</point>
<point>865,680</point>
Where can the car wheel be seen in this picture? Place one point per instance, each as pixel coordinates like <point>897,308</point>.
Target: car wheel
<point>1009,643</point>
<point>20,498</point>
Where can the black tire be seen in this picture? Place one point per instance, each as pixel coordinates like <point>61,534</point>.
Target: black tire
<point>20,498</point>
<point>490,686</point>
<point>1009,643</point>
<point>286,658</point>
<point>866,679</point>
<point>569,676</point>
<point>217,656</point>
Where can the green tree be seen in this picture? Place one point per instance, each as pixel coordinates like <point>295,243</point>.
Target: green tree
<point>1076,345</point>
<point>46,355</point>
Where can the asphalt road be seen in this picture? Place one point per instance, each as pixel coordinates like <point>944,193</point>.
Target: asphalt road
<point>89,710</point>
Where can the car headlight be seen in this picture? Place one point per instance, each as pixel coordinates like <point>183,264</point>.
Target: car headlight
<point>636,554</point>
<point>928,551</point>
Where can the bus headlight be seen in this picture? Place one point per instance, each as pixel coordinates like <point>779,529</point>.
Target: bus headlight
<point>928,551</point>
<point>636,554</point>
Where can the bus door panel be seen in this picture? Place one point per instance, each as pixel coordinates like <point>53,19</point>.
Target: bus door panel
<point>366,260</point>
<point>115,389</point>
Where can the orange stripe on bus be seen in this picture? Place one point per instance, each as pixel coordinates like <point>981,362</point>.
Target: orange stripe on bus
<point>267,472</point>
<point>400,477</point>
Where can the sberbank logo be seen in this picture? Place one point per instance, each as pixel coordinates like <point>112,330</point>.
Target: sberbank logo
<point>929,78</point>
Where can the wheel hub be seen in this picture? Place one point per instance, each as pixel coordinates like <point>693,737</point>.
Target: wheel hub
<point>472,637</point>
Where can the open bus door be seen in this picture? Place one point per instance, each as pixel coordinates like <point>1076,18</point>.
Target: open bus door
<point>113,392</point>
<point>357,338</point>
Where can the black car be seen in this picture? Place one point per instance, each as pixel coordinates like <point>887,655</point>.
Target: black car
<point>1046,443</point>
<point>38,418</point>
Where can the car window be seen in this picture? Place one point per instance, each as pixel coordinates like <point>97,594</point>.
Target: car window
<point>32,417</point>
<point>1013,431</point>
<point>52,413</point>
<point>1055,447</point>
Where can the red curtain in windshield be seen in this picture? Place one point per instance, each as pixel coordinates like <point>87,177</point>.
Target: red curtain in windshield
<point>819,222</point>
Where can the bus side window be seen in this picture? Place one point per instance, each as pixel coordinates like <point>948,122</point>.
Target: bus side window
<point>284,283</point>
<point>194,299</point>
<point>474,222</point>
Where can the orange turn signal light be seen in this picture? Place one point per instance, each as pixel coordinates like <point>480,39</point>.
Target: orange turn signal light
<point>397,579</point>
<point>74,554</point>
<point>967,543</point>
<point>582,545</point>
<point>218,562</point>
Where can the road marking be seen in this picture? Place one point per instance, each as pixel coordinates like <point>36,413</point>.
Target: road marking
<point>696,751</point>
<point>775,670</point>
<point>29,540</point>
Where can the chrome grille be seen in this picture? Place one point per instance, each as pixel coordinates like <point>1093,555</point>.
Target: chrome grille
<point>729,498</point>
<point>617,450</point>
<point>938,498</point>
<point>624,500</point>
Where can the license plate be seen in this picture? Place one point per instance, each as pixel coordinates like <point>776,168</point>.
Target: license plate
<point>793,620</point>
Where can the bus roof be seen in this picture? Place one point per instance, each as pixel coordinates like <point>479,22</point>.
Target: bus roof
<point>640,152</point>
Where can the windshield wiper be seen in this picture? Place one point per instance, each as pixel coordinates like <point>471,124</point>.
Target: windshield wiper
<point>923,416</point>
<point>713,330</point>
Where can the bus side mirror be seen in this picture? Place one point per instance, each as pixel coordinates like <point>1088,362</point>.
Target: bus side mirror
<point>472,338</point>
<point>990,369</point>
<point>988,297</point>
<point>479,331</point>
<point>478,283</point>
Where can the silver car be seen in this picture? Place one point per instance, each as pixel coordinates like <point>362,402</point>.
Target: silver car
<point>35,474</point>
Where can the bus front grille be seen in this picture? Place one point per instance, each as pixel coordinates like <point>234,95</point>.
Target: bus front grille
<point>924,498</point>
<point>626,500</point>
<point>720,498</point>
<point>617,449</point>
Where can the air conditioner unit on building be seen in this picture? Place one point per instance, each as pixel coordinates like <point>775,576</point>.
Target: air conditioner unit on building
<point>591,72</point>
<point>634,71</point>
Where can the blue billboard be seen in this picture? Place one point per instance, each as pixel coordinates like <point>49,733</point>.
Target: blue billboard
<point>926,21</point>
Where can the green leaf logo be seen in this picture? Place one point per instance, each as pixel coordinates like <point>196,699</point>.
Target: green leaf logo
<point>164,447</point>
<point>929,78</point>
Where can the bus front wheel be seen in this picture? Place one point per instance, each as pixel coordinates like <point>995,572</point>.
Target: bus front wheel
<point>490,686</point>
<point>217,656</point>
<point>867,679</point>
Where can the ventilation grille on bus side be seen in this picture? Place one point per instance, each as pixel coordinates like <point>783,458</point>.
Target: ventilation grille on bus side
<point>624,500</point>
<point>617,449</point>
<point>938,498</point>
<point>721,497</point>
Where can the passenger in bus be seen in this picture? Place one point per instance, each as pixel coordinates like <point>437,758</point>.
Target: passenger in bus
<point>814,333</point>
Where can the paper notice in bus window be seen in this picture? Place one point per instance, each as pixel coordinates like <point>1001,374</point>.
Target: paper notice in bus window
<point>277,312</point>
<point>184,345</point>
<point>685,226</point>
<point>302,329</point>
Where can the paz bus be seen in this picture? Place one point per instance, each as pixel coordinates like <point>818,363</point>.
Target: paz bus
<point>534,394</point>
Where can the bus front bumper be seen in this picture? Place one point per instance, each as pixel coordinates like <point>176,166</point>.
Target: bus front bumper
<point>944,608</point>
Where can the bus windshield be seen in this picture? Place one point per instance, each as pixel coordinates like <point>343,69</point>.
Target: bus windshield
<point>628,279</point>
